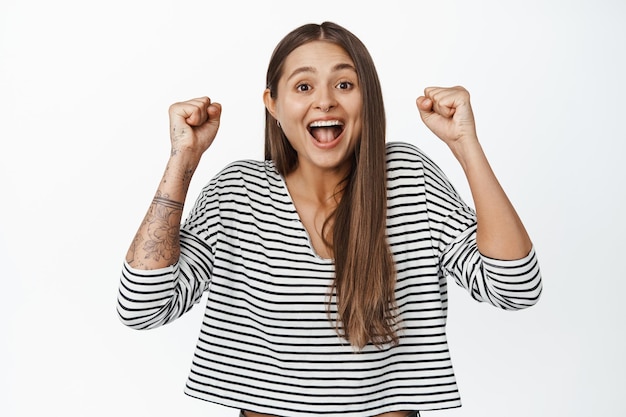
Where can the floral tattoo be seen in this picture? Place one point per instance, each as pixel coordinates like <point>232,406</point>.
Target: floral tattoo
<point>162,226</point>
<point>163,229</point>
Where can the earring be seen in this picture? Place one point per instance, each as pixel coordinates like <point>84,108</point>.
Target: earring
<point>277,123</point>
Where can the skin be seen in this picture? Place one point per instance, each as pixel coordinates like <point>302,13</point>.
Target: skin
<point>318,83</point>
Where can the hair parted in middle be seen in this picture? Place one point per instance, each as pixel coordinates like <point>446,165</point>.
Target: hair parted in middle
<point>364,283</point>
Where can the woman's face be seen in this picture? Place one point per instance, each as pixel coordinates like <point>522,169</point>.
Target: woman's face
<point>318,104</point>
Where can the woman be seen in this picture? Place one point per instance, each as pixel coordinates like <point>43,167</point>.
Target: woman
<point>326,264</point>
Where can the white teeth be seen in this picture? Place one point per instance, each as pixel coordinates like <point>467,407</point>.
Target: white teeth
<point>326,123</point>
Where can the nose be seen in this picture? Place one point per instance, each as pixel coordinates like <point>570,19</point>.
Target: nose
<point>325,100</point>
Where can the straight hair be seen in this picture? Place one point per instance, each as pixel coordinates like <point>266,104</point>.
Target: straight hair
<point>365,278</point>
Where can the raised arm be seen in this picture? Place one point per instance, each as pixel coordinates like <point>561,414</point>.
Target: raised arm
<point>193,127</point>
<point>447,112</point>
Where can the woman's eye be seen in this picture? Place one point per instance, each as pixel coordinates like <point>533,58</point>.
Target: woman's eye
<point>344,85</point>
<point>303,87</point>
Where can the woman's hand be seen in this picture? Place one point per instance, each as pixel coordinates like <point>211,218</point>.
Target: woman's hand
<point>194,125</point>
<point>447,112</point>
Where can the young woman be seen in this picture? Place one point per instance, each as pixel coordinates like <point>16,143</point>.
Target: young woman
<point>326,263</point>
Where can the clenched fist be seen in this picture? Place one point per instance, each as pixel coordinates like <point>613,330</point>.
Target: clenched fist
<point>193,125</point>
<point>447,113</point>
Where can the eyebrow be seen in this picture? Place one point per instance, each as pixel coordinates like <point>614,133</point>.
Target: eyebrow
<point>338,67</point>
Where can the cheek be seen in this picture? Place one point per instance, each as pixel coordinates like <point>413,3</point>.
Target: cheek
<point>291,103</point>
<point>355,107</point>
<point>295,109</point>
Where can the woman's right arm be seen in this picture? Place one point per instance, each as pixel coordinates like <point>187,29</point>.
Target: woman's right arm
<point>193,127</point>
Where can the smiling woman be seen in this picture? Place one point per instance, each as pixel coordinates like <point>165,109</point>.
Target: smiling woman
<point>318,106</point>
<point>325,264</point>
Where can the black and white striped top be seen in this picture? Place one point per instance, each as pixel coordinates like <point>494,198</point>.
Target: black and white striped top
<point>266,343</point>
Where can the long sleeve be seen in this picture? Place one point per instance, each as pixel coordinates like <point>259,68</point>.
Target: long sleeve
<point>507,284</point>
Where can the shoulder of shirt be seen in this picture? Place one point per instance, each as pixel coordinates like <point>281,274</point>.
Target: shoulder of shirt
<point>247,168</point>
<point>402,151</point>
<point>404,157</point>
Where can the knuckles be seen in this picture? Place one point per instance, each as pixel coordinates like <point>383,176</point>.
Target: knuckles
<point>444,99</point>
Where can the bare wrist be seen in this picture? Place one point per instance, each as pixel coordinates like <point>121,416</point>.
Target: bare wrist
<point>468,151</point>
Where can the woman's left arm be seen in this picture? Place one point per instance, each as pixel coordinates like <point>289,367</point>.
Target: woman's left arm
<point>447,112</point>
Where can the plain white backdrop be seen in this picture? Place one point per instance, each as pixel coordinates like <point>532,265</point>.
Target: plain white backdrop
<point>84,92</point>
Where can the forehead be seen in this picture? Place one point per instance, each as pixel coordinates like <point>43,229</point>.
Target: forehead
<point>316,56</point>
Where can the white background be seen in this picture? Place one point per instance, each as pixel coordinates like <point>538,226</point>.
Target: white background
<point>84,92</point>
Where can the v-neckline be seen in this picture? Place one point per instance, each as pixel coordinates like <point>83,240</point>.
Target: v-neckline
<point>300,222</point>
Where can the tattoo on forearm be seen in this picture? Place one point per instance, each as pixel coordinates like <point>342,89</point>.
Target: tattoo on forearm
<point>163,229</point>
<point>166,202</point>
<point>159,239</point>
<point>186,175</point>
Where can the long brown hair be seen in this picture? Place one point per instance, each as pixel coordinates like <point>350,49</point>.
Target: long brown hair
<point>364,281</point>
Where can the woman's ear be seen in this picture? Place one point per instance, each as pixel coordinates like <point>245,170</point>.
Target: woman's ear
<point>270,104</point>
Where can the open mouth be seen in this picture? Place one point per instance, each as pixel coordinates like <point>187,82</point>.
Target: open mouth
<point>325,131</point>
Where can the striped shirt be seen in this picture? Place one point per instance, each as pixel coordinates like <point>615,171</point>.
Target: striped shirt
<point>266,343</point>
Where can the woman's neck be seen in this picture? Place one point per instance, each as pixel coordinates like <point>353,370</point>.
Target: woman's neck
<point>320,187</point>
